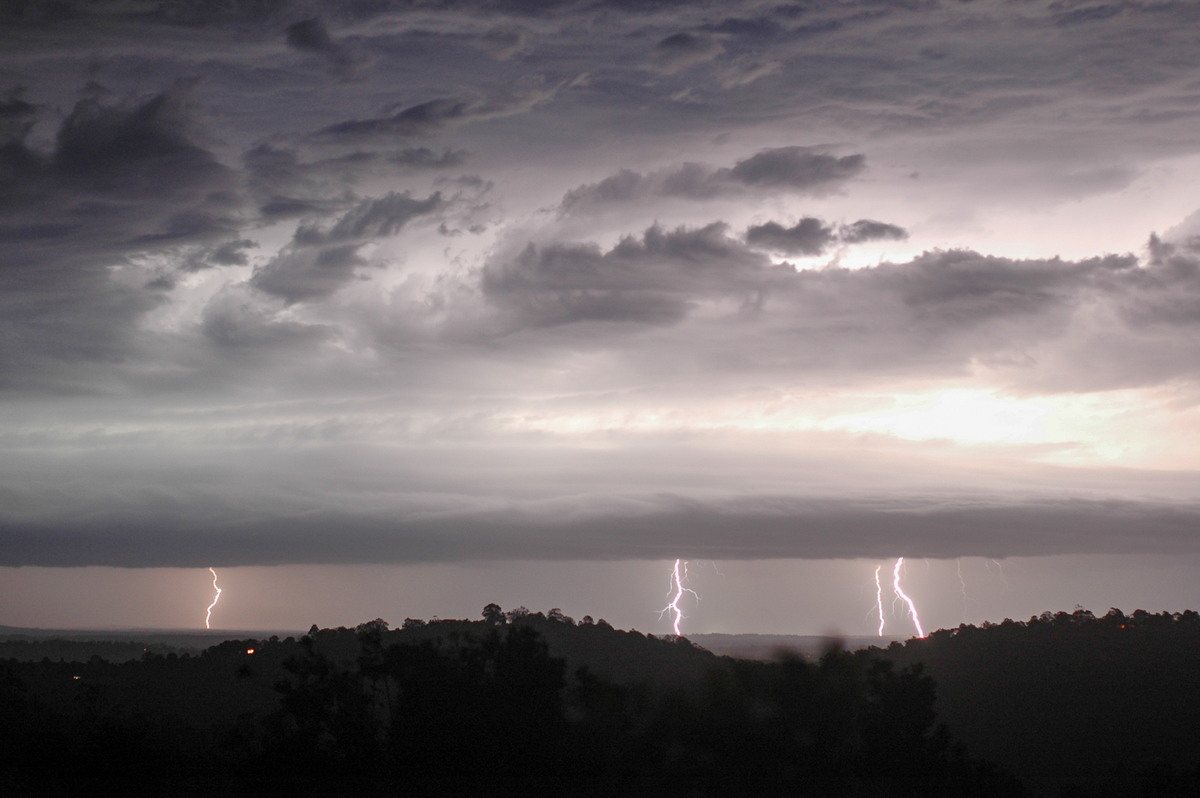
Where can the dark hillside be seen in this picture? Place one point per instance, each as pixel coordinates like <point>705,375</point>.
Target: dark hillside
<point>515,704</point>
<point>524,703</point>
<point>1106,705</point>
<point>613,654</point>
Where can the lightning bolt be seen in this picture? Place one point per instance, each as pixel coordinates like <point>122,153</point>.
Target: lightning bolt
<point>962,583</point>
<point>879,597</point>
<point>1000,568</point>
<point>216,598</point>
<point>678,587</point>
<point>900,594</point>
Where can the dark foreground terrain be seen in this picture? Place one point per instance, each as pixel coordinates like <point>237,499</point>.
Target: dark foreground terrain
<point>529,704</point>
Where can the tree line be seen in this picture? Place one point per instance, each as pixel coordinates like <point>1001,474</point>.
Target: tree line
<point>523,702</point>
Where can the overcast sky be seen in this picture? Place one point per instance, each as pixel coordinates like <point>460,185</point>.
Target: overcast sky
<point>396,308</point>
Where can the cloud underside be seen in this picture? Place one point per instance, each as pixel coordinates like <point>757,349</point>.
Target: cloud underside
<point>215,214</point>
<point>1047,324</point>
<point>642,527</point>
<point>794,169</point>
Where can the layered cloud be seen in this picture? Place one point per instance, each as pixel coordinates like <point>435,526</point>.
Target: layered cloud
<point>681,51</point>
<point>431,117</point>
<point>321,281</point>
<point>811,236</point>
<point>709,497</point>
<point>319,261</point>
<point>780,169</point>
<point>120,180</point>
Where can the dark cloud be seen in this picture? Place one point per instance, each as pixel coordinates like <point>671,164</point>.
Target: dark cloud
<point>299,275</point>
<point>123,180</point>
<point>227,253</point>
<point>682,51</point>
<point>178,12</point>
<point>1078,13</point>
<point>196,224</point>
<point>320,260</point>
<point>871,230</point>
<point>808,236</point>
<point>811,236</point>
<point>231,252</point>
<point>1045,324</point>
<point>232,319</point>
<point>16,120</point>
<point>311,35</point>
<point>761,27</point>
<point>417,120</point>
<point>236,519</point>
<point>664,275</point>
<point>425,158</point>
<point>372,218</point>
<point>287,186</point>
<point>796,168</point>
<point>791,169</point>
<point>652,280</point>
<point>433,116</point>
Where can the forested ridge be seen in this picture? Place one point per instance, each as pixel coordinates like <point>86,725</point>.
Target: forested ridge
<point>1108,704</point>
<point>531,703</point>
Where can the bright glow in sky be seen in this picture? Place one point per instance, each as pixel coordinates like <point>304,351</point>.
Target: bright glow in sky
<point>393,309</point>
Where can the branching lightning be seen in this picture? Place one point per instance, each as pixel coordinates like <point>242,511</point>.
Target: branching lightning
<point>879,597</point>
<point>216,598</point>
<point>900,594</point>
<point>676,591</point>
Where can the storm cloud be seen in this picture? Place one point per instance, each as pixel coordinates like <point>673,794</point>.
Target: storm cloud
<point>322,282</point>
<point>320,260</point>
<point>781,169</point>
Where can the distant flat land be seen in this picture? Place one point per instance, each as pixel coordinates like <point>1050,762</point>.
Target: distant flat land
<point>742,646</point>
<point>768,647</point>
<point>36,643</point>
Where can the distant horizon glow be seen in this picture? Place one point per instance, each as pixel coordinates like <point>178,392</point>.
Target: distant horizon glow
<point>822,597</point>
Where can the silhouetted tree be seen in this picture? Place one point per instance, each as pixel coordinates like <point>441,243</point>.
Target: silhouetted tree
<point>493,615</point>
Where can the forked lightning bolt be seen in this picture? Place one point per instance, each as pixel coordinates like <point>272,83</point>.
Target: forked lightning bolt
<point>962,583</point>
<point>879,598</point>
<point>216,598</point>
<point>678,588</point>
<point>900,594</point>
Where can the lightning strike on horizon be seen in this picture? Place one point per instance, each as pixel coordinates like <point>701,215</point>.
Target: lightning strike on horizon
<point>900,594</point>
<point>879,597</point>
<point>1000,568</point>
<point>216,598</point>
<point>678,588</point>
<point>962,583</point>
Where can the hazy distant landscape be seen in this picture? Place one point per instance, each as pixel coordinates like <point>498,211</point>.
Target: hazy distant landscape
<point>29,644</point>
<point>520,702</point>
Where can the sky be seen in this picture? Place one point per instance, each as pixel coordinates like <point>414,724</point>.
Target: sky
<point>393,309</point>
